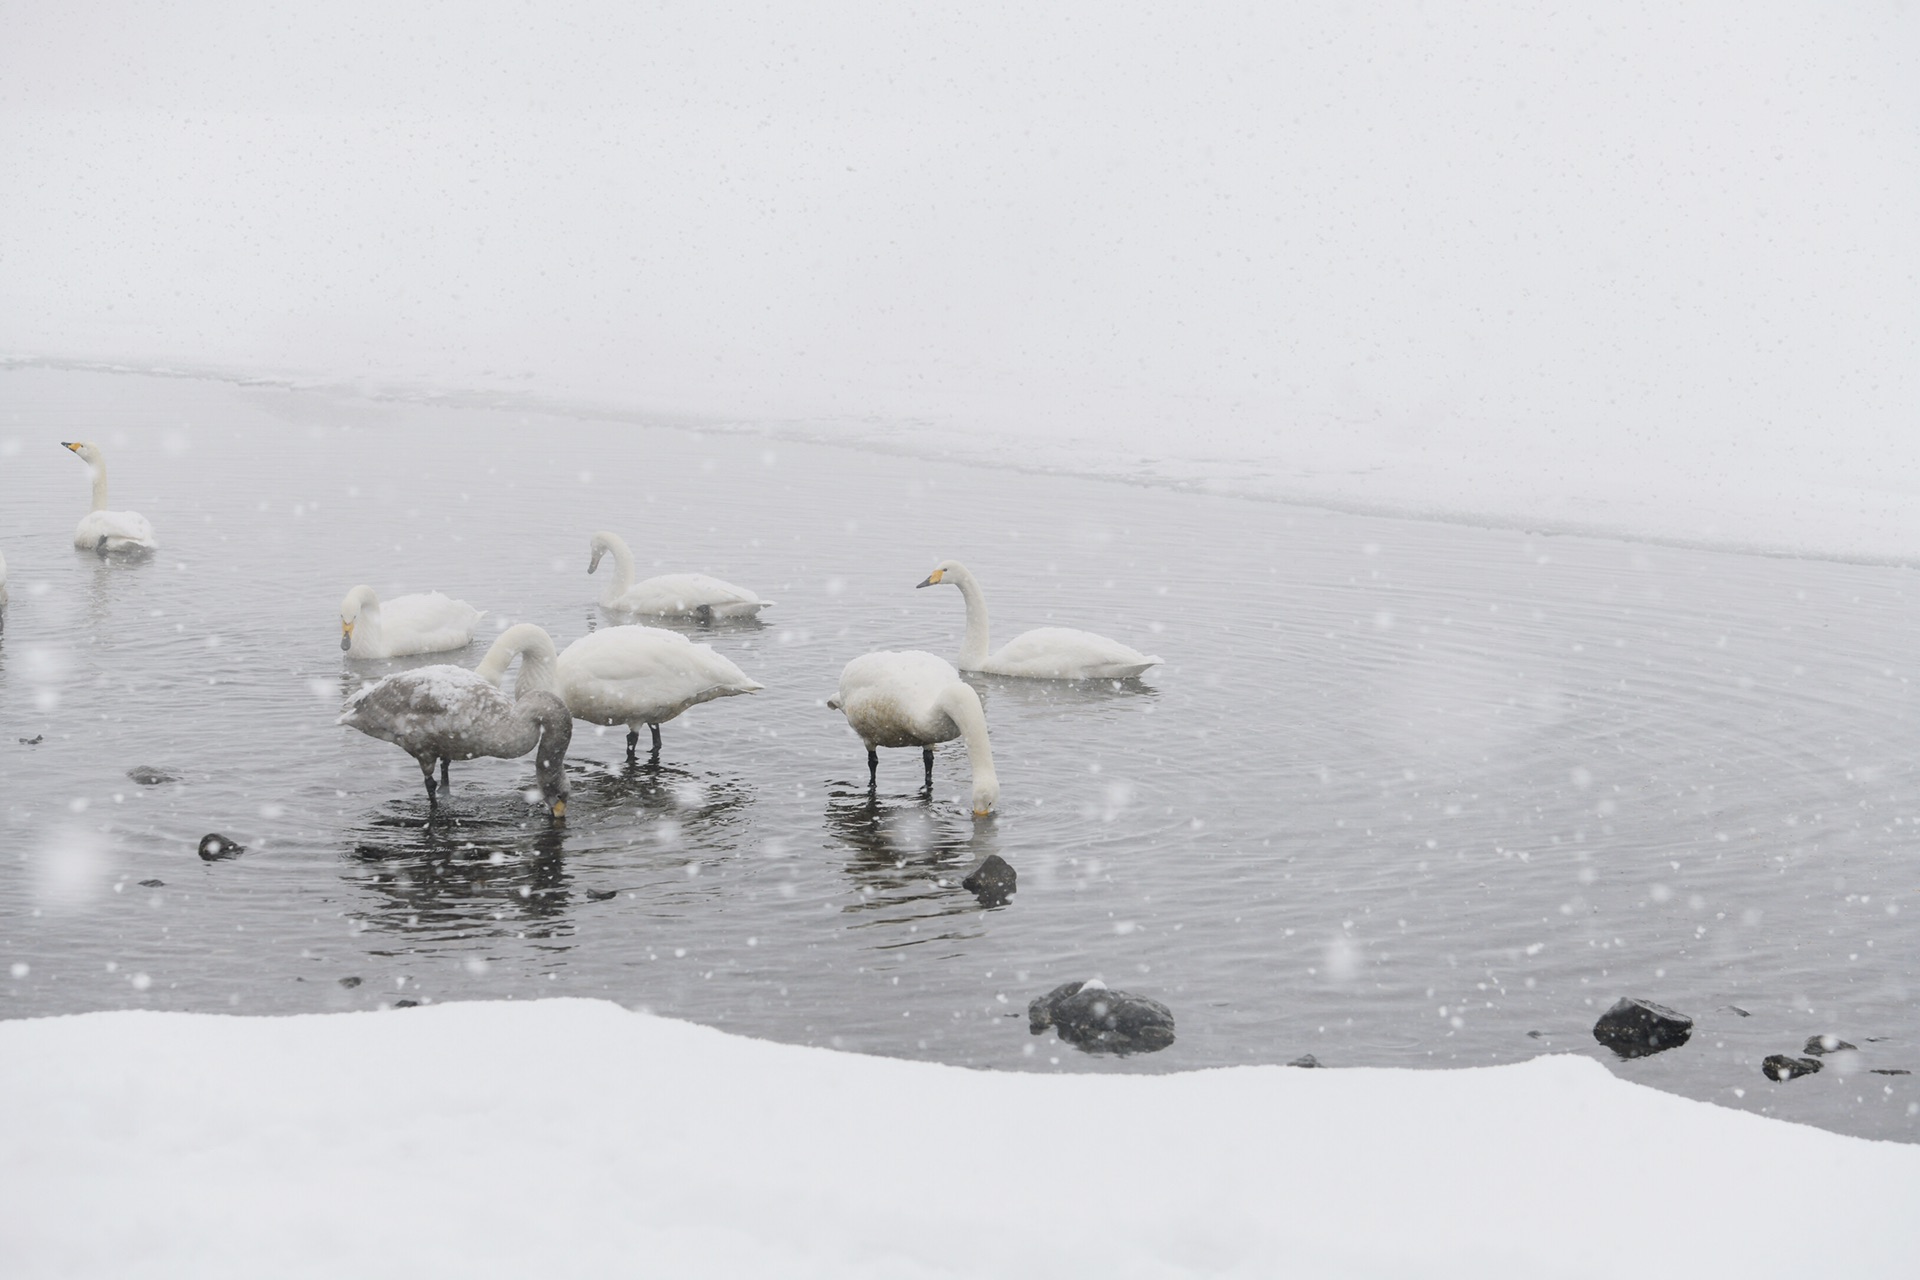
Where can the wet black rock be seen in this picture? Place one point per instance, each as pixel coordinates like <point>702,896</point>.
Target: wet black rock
<point>992,881</point>
<point>1636,1028</point>
<point>1818,1045</point>
<point>34,741</point>
<point>406,1004</point>
<point>152,884</point>
<point>1737,1009</point>
<point>148,776</point>
<point>601,895</point>
<point>1781,1067</point>
<point>1089,1016</point>
<point>1305,1060</point>
<point>214,847</point>
<point>350,982</point>
<point>1889,1071</point>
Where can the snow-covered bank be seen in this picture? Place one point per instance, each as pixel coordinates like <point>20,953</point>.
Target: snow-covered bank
<point>1651,271</point>
<point>571,1137</point>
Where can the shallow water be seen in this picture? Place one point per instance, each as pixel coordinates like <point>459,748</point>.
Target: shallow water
<point>1403,794</point>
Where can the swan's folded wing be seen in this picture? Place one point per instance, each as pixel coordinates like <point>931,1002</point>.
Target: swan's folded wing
<point>687,593</point>
<point>427,623</point>
<point>1063,653</point>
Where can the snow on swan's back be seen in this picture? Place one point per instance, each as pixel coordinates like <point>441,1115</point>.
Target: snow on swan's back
<point>101,530</point>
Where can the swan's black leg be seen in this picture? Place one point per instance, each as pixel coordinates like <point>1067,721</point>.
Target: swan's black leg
<point>445,781</point>
<point>426,772</point>
<point>873,768</point>
<point>926,758</point>
<point>633,742</point>
<point>656,738</point>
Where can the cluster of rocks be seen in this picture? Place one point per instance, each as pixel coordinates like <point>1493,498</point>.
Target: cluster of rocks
<point>1635,1028</point>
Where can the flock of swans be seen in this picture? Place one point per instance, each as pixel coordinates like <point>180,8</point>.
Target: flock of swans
<point>636,675</point>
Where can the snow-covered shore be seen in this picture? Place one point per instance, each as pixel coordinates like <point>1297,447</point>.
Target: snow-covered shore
<point>572,1137</point>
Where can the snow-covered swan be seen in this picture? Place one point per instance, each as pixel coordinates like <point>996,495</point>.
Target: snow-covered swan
<point>914,699</point>
<point>618,675</point>
<point>671,595</point>
<point>449,713</point>
<point>404,625</point>
<point>1045,653</point>
<point>101,530</point>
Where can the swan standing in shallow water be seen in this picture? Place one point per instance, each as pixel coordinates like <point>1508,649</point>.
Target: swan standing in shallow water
<point>448,713</point>
<point>404,625</point>
<point>671,595</point>
<point>1045,653</point>
<point>618,675</point>
<point>101,530</point>
<point>914,699</point>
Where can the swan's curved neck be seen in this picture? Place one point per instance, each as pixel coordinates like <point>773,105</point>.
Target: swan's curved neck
<point>962,705</point>
<point>99,470</point>
<point>973,648</point>
<point>539,667</point>
<point>621,580</point>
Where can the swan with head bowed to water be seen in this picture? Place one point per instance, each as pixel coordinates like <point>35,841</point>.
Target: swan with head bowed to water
<point>404,625</point>
<point>671,595</point>
<point>618,675</point>
<point>914,699</point>
<point>445,713</point>
<point>103,531</point>
<point>1045,653</point>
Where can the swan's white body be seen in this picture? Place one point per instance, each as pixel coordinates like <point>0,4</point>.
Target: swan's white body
<point>671,595</point>
<point>619,675</point>
<point>449,713</point>
<point>1045,653</point>
<point>404,625</point>
<point>102,530</point>
<point>914,699</point>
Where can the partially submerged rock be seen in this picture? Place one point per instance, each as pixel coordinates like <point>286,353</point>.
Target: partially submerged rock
<point>1635,1028</point>
<point>215,847</point>
<point>1091,1017</point>
<point>1780,1067</point>
<point>1305,1060</point>
<point>992,881</point>
<point>148,776</point>
<point>1818,1045</point>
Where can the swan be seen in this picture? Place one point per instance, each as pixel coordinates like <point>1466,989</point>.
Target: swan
<point>914,699</point>
<point>618,675</point>
<point>1045,653</point>
<point>404,625</point>
<point>102,530</point>
<point>449,713</point>
<point>684,595</point>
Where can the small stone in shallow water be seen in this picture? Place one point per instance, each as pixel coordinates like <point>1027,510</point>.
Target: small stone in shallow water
<point>406,1004</point>
<point>34,741</point>
<point>1090,1017</point>
<point>1737,1009</point>
<point>1780,1067</point>
<point>601,895</point>
<point>1826,1044</point>
<point>992,881</point>
<point>1635,1028</point>
<point>152,884</point>
<point>350,982</point>
<point>148,776</point>
<point>1305,1060</point>
<point>214,847</point>
<point>1889,1071</point>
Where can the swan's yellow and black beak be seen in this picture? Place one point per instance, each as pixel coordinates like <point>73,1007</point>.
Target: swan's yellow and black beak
<point>346,636</point>
<point>560,810</point>
<point>70,444</point>
<point>933,579</point>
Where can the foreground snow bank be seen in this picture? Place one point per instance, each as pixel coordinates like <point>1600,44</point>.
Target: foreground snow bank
<point>572,1137</point>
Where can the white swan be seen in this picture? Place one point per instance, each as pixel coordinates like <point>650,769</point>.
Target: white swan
<point>914,699</point>
<point>449,713</point>
<point>102,530</point>
<point>671,595</point>
<point>404,625</point>
<point>1045,653</point>
<point>618,675</point>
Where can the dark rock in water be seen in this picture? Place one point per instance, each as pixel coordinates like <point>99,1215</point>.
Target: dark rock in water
<point>1536,1035</point>
<point>1305,1060</point>
<point>214,847</point>
<point>148,776</point>
<point>1889,1071</point>
<point>406,1004</point>
<point>1737,1009</point>
<point>1636,1028</point>
<point>601,895</point>
<point>1781,1067</point>
<point>34,741</point>
<point>152,884</point>
<point>1817,1045</point>
<point>993,881</point>
<point>349,983</point>
<point>1089,1016</point>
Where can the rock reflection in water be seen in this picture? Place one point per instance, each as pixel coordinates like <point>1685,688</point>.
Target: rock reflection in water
<point>909,859</point>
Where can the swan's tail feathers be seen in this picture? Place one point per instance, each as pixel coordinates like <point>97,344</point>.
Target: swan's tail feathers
<point>750,685</point>
<point>833,703</point>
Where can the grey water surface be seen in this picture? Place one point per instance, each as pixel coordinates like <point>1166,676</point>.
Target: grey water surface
<point>1403,794</point>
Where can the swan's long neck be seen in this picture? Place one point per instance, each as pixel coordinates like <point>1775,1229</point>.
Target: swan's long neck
<point>99,470</point>
<point>962,704</point>
<point>621,580</point>
<point>539,667</point>
<point>973,648</point>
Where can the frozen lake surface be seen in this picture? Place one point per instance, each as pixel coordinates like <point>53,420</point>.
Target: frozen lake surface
<point>1403,794</point>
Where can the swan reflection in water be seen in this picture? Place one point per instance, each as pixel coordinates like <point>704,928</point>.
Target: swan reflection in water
<point>909,859</point>
<point>494,867</point>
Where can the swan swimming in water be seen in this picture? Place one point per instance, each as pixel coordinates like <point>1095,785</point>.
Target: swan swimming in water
<point>101,530</point>
<point>913,699</point>
<point>404,625</point>
<point>671,595</point>
<point>618,675</point>
<point>448,713</point>
<point>1045,653</point>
